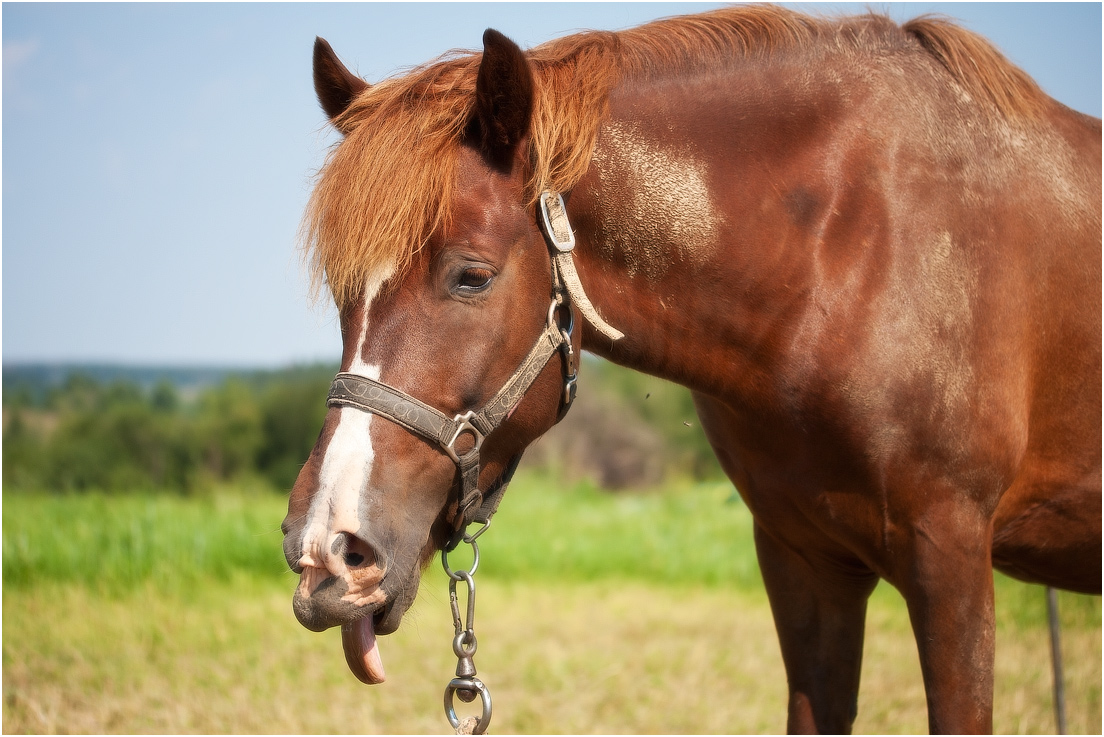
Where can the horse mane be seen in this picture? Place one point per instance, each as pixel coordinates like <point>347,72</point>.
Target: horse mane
<point>388,186</point>
<point>978,66</point>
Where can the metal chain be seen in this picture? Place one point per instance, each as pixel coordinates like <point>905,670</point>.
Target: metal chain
<point>464,644</point>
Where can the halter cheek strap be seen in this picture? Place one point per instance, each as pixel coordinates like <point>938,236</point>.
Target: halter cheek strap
<point>368,395</point>
<point>352,390</point>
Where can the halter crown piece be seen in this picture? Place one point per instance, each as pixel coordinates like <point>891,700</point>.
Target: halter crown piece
<point>368,395</point>
<point>561,242</point>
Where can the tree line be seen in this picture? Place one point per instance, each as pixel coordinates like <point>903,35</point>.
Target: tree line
<point>90,434</point>
<point>93,433</point>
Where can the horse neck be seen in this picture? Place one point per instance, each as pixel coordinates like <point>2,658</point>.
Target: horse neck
<point>679,247</point>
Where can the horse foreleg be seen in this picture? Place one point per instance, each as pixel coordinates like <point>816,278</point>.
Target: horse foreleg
<point>820,612</point>
<point>948,587</point>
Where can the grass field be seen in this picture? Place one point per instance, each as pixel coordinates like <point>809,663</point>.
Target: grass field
<point>597,614</point>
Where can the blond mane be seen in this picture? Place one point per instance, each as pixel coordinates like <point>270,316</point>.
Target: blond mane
<point>387,187</point>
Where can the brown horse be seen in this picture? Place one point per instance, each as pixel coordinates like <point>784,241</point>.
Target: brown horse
<point>871,251</point>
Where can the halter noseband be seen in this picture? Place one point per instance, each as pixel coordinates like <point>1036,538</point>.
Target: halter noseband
<point>353,390</point>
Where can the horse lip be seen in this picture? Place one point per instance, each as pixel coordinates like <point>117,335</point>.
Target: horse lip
<point>327,606</point>
<point>388,618</point>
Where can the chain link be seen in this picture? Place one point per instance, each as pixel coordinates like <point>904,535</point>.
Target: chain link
<point>464,643</point>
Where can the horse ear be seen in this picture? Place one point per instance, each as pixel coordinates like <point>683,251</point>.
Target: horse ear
<point>335,85</point>
<point>503,97</point>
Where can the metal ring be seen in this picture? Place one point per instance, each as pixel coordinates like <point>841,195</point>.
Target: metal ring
<point>468,684</point>
<point>553,323</point>
<point>459,575</point>
<point>460,648</point>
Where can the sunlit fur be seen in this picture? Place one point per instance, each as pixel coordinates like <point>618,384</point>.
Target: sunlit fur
<point>386,188</point>
<point>978,65</point>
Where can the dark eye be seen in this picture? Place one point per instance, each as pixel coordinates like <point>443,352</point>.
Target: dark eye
<point>474,279</point>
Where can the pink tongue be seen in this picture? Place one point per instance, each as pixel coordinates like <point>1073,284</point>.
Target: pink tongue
<point>362,652</point>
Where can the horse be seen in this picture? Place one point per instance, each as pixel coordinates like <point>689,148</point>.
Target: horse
<point>871,251</point>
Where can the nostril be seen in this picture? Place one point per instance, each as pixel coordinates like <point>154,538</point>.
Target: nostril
<point>359,554</point>
<point>355,553</point>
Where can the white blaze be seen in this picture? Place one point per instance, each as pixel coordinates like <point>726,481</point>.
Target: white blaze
<point>336,507</point>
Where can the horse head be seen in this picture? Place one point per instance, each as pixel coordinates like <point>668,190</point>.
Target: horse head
<point>437,333</point>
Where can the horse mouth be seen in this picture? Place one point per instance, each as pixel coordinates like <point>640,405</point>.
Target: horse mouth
<point>358,640</point>
<point>363,612</point>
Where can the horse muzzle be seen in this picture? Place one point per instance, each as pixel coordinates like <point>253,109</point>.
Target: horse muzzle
<point>347,585</point>
<point>360,604</point>
<point>323,600</point>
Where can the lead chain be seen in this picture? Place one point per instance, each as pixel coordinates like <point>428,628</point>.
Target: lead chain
<point>464,644</point>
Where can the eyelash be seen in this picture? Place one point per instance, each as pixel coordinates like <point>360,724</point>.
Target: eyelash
<point>474,279</point>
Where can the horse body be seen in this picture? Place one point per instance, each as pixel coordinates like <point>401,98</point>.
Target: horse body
<point>803,270</point>
<point>876,362</point>
<point>883,291</point>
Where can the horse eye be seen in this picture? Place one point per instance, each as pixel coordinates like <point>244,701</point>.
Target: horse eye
<point>475,279</point>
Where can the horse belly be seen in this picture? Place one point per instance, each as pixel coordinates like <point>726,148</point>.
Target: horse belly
<point>1048,531</point>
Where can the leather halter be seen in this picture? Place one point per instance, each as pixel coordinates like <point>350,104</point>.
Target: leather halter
<point>368,395</point>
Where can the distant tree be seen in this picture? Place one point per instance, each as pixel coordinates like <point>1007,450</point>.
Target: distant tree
<point>292,413</point>
<point>164,398</point>
<point>627,430</point>
<point>23,451</point>
<point>229,429</point>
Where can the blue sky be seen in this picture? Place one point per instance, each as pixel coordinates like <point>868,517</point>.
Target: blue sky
<point>157,157</point>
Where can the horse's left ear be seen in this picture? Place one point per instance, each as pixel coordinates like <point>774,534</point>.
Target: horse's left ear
<point>503,97</point>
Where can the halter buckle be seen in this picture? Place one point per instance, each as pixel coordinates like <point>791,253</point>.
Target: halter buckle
<point>570,385</point>
<point>554,222</point>
<point>463,424</point>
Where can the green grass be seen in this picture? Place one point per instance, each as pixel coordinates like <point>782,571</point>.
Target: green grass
<point>686,535</point>
<point>118,541</point>
<point>634,613</point>
<point>689,534</point>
